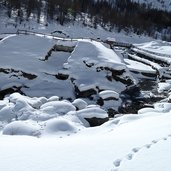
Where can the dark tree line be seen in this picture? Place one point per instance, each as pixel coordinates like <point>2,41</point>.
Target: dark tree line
<point>121,14</point>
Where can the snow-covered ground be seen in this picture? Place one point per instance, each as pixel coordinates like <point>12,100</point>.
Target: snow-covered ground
<point>75,30</point>
<point>158,4</point>
<point>127,143</point>
<point>138,66</point>
<point>50,133</point>
<point>156,47</point>
<point>82,68</point>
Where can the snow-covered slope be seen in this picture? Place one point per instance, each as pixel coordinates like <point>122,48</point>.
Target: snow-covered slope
<point>158,4</point>
<point>131,142</point>
<point>69,68</point>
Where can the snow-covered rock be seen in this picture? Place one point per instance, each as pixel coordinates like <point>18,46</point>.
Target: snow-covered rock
<point>53,98</point>
<point>162,107</point>
<point>57,107</point>
<point>7,113</point>
<point>93,116</point>
<point>89,68</point>
<point>163,86</point>
<point>57,125</point>
<point>108,94</point>
<point>79,104</point>
<point>146,110</point>
<point>21,128</point>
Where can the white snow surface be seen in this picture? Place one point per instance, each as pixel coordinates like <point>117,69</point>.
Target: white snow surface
<point>139,67</point>
<point>157,4</point>
<point>83,63</point>
<point>108,94</point>
<point>160,47</point>
<point>126,143</point>
<point>46,133</point>
<point>37,77</point>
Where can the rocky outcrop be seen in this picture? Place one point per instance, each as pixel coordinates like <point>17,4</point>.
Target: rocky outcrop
<point>96,121</point>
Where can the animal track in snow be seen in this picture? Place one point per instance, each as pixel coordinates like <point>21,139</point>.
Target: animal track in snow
<point>135,150</point>
<point>129,156</point>
<point>117,162</point>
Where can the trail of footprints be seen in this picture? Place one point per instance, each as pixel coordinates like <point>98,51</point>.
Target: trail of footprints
<point>117,163</point>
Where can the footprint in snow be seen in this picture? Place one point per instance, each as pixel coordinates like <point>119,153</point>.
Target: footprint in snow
<point>155,141</point>
<point>129,156</point>
<point>114,170</point>
<point>148,145</point>
<point>117,162</point>
<point>135,150</point>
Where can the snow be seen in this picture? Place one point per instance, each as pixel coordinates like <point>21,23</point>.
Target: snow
<point>159,50</point>
<point>52,132</point>
<point>6,113</point>
<point>108,94</point>
<point>86,68</point>
<point>65,141</point>
<point>53,98</point>
<point>163,86</point>
<point>92,112</point>
<point>57,107</point>
<point>30,50</point>
<point>159,47</point>
<point>156,152</point>
<point>79,103</point>
<point>138,66</point>
<point>74,31</point>
<point>157,4</point>
<point>146,61</point>
<point>146,110</point>
<point>59,125</point>
<point>20,128</point>
<point>118,144</point>
<point>83,68</point>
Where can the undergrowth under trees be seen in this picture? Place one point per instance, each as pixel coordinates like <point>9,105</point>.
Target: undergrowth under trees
<point>119,14</point>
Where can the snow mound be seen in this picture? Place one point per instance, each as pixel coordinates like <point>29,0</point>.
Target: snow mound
<point>92,112</point>
<point>21,128</point>
<point>162,107</point>
<point>95,113</point>
<point>59,125</point>
<point>146,110</point>
<point>57,107</point>
<point>53,98</point>
<point>163,86</point>
<point>3,103</point>
<point>108,94</point>
<point>79,104</point>
<point>6,113</point>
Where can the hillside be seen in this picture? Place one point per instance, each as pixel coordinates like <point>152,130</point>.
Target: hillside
<point>158,4</point>
<point>128,16</point>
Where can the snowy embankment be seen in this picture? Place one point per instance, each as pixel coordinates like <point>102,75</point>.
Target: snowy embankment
<point>156,54</point>
<point>156,50</point>
<point>138,66</point>
<point>156,4</point>
<point>66,143</point>
<point>50,133</point>
<point>39,115</point>
<point>43,66</point>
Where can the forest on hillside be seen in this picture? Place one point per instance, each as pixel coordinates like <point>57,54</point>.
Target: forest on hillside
<point>119,14</point>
